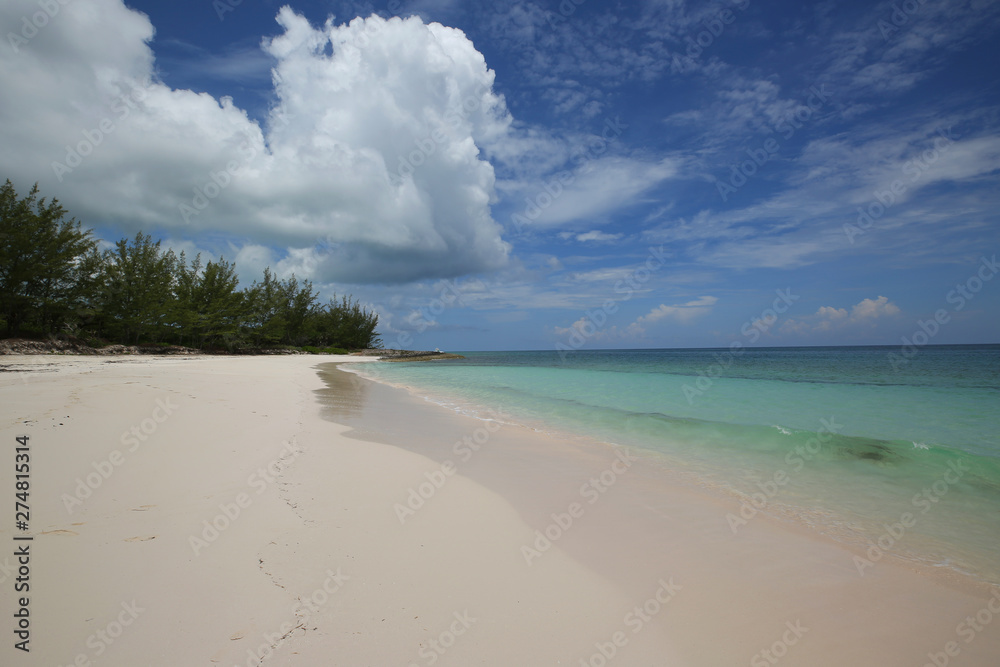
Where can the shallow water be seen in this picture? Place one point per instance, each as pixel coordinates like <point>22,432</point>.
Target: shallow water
<point>904,458</point>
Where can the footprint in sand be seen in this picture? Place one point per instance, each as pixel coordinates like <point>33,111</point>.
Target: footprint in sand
<point>238,635</point>
<point>59,532</point>
<point>141,539</point>
<point>142,508</point>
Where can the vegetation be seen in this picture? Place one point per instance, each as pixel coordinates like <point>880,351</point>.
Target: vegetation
<point>55,281</point>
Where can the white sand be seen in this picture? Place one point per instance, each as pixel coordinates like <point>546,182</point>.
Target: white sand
<point>316,568</point>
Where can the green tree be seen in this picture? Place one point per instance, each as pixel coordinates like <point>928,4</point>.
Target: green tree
<point>85,297</point>
<point>184,315</point>
<point>265,321</point>
<point>345,324</point>
<point>54,278</point>
<point>219,308</point>
<point>137,290</point>
<point>299,303</point>
<point>40,253</point>
<point>279,311</point>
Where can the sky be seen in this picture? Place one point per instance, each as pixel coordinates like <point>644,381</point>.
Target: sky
<point>540,175</point>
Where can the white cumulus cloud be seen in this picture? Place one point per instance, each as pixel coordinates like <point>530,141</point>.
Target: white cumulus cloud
<point>367,170</point>
<point>683,313</point>
<point>828,318</point>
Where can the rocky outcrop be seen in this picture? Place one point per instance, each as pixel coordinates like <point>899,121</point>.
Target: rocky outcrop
<point>409,355</point>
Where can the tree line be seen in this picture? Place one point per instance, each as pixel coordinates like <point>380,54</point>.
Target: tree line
<point>55,280</point>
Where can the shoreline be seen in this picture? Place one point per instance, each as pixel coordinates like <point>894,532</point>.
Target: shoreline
<point>878,539</point>
<point>312,563</point>
<point>653,511</point>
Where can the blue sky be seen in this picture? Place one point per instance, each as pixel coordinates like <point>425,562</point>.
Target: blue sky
<point>531,175</point>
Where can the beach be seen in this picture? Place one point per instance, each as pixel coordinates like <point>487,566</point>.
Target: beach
<point>280,511</point>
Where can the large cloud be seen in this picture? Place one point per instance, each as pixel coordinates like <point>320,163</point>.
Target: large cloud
<point>368,166</point>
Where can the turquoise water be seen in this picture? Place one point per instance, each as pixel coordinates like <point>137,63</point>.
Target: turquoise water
<point>841,439</point>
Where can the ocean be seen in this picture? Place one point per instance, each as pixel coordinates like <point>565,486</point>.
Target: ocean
<point>894,451</point>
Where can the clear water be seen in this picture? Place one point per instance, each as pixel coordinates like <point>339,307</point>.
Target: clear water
<point>837,438</point>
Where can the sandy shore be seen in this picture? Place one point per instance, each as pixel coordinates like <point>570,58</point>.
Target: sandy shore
<point>250,511</point>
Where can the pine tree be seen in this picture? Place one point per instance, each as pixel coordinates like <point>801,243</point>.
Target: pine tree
<point>40,253</point>
<point>137,290</point>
